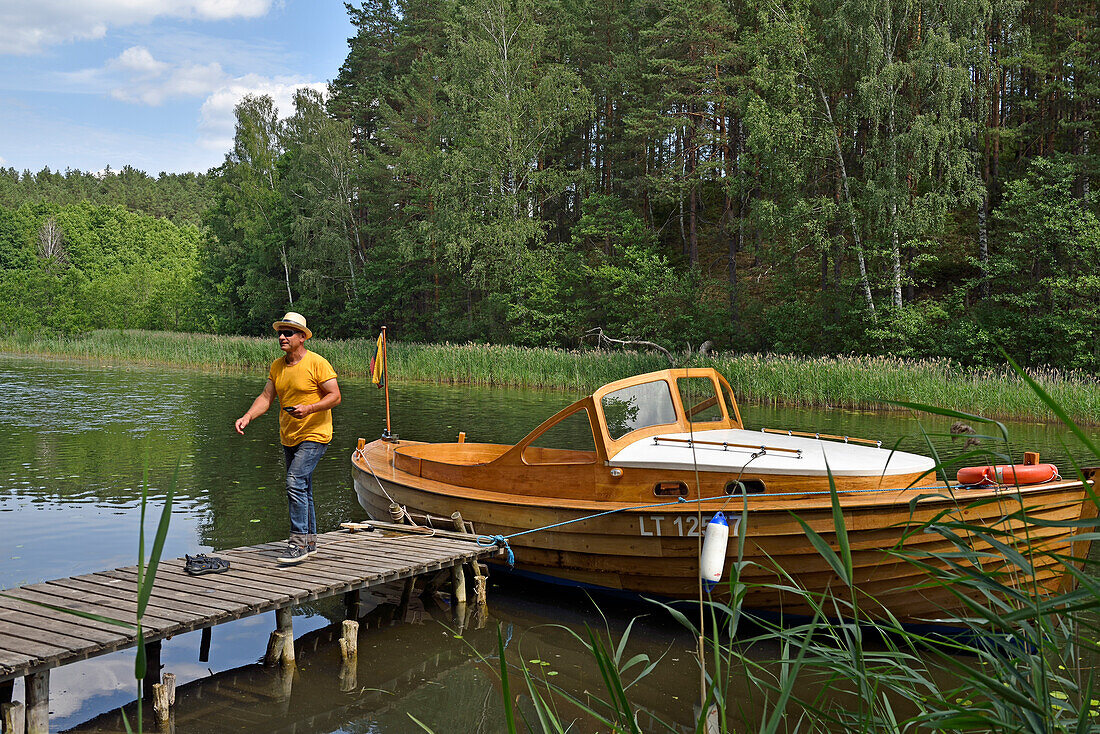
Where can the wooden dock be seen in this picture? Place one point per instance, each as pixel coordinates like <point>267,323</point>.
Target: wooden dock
<point>258,697</point>
<point>37,634</point>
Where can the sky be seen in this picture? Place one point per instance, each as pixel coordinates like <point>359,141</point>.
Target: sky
<point>87,84</point>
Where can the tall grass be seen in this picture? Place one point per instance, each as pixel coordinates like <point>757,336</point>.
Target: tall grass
<point>838,382</point>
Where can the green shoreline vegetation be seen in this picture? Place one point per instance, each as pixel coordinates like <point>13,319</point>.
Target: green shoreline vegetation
<point>855,382</point>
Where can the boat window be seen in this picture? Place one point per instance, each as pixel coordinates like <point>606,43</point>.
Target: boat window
<point>731,402</point>
<point>638,406</point>
<point>745,486</point>
<point>670,489</point>
<point>569,441</point>
<point>700,399</point>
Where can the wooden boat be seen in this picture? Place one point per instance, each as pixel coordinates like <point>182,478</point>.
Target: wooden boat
<point>663,452</point>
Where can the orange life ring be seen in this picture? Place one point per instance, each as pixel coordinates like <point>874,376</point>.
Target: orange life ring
<point>1007,474</point>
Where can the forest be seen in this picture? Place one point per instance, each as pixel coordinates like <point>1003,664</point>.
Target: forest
<point>895,177</point>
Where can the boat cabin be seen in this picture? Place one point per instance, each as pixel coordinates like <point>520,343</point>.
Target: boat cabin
<point>596,428</point>
<point>659,428</point>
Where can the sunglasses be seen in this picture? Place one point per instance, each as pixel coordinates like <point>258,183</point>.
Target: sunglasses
<point>287,332</point>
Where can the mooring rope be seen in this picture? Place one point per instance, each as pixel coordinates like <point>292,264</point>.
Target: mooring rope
<point>404,510</point>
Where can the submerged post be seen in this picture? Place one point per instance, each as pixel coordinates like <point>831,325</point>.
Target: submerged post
<point>280,646</point>
<point>349,640</point>
<point>481,580</point>
<point>160,705</point>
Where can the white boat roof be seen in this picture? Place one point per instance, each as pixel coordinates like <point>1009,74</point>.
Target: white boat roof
<point>817,457</point>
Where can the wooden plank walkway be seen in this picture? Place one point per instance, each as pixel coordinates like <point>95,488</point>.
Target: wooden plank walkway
<point>36,638</point>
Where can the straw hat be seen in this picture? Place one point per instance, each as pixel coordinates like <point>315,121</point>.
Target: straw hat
<point>292,320</point>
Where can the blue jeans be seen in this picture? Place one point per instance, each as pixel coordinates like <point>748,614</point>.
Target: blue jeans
<point>301,460</point>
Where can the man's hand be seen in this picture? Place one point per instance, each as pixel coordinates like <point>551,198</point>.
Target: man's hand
<point>259,406</point>
<point>299,411</point>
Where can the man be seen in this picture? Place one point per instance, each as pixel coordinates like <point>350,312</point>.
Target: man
<point>305,384</point>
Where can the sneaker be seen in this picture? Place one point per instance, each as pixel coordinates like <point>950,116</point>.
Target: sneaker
<point>311,548</point>
<point>295,554</point>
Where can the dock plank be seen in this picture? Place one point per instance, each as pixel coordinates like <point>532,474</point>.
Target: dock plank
<point>79,601</point>
<point>200,586</point>
<point>42,634</point>
<point>89,629</point>
<point>34,637</point>
<point>128,591</point>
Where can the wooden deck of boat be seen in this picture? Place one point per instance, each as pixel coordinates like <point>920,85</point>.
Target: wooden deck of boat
<point>38,630</point>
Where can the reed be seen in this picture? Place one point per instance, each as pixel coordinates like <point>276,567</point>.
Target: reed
<point>853,382</point>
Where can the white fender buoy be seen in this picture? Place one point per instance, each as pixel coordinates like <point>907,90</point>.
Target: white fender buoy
<point>713,558</point>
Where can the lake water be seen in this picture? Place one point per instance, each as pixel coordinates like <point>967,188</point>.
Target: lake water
<point>84,438</point>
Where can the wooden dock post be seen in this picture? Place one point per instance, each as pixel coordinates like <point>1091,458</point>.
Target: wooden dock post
<point>458,575</point>
<point>38,702</point>
<point>13,717</point>
<point>152,669</point>
<point>352,606</point>
<point>349,640</point>
<point>164,702</point>
<point>397,515</point>
<point>481,592</point>
<point>349,655</point>
<point>161,708</point>
<point>280,646</point>
<point>204,646</point>
<point>481,576</point>
<point>406,598</point>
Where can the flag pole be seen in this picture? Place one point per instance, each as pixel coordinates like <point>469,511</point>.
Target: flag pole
<point>386,380</point>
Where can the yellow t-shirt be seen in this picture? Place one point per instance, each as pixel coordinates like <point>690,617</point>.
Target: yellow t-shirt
<point>300,384</point>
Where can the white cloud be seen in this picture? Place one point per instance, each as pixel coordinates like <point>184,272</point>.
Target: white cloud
<point>137,60</point>
<point>217,121</point>
<point>28,27</point>
<point>135,76</point>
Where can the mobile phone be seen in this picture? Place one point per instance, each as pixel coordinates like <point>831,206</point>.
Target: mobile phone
<point>289,408</point>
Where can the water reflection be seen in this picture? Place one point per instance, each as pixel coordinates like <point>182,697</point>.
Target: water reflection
<point>424,665</point>
<point>83,440</point>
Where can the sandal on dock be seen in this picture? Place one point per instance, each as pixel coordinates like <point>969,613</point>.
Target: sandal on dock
<point>202,563</point>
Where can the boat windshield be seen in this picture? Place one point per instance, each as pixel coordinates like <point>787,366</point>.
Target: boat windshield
<point>637,406</point>
<point>700,399</point>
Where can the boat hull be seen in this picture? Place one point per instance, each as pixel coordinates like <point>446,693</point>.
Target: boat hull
<point>653,550</point>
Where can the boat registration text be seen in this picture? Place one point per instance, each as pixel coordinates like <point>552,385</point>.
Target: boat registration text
<point>682,526</point>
